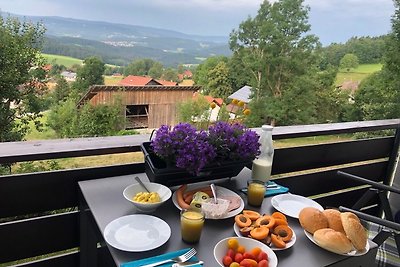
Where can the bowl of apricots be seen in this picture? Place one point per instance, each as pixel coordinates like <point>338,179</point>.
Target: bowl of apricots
<point>272,230</point>
<point>244,252</point>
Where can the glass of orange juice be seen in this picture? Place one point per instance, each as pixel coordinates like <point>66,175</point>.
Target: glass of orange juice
<point>192,222</point>
<point>255,192</point>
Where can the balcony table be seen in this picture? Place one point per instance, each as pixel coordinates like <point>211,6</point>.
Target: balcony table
<point>102,199</point>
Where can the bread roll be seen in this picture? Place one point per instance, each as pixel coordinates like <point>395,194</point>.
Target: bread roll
<point>312,219</point>
<point>354,230</point>
<point>332,240</point>
<point>334,220</point>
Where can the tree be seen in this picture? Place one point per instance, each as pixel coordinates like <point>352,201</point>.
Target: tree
<point>100,120</point>
<point>201,74</point>
<point>218,81</point>
<point>90,73</point>
<point>276,49</point>
<point>349,61</point>
<point>21,77</point>
<point>139,67</point>
<point>62,90</point>
<point>170,74</point>
<point>156,70</point>
<point>378,96</point>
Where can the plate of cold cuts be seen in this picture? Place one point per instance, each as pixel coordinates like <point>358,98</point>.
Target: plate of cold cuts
<point>229,203</point>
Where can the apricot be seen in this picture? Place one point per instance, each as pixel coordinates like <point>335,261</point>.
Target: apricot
<point>251,214</point>
<point>245,231</point>
<point>265,220</point>
<point>242,221</point>
<point>279,215</point>
<point>259,233</point>
<point>277,241</point>
<point>280,222</point>
<point>284,232</point>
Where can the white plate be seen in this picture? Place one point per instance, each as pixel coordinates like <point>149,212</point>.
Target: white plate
<point>221,248</point>
<point>137,232</point>
<point>354,252</point>
<point>236,228</point>
<point>221,191</point>
<point>291,205</point>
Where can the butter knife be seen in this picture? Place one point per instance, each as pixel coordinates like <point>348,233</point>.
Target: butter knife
<point>187,264</point>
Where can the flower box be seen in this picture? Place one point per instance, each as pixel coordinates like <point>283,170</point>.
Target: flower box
<point>158,171</point>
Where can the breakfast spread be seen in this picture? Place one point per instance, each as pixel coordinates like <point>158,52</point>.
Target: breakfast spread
<point>272,230</point>
<point>339,232</point>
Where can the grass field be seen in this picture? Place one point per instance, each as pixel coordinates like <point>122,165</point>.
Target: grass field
<point>66,61</point>
<point>357,74</point>
<point>62,60</point>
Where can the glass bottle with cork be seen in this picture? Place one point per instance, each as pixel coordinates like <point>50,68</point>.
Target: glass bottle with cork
<point>261,169</point>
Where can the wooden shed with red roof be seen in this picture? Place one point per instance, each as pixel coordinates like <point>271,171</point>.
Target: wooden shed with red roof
<point>148,106</point>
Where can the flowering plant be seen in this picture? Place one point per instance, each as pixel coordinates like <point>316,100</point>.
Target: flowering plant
<point>192,150</point>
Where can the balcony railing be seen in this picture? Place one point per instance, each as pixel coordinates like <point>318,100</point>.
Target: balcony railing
<point>39,211</point>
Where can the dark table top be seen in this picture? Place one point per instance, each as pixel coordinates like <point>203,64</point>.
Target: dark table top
<point>106,202</point>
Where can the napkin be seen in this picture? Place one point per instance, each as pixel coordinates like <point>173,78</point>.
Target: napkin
<point>272,189</point>
<point>157,258</point>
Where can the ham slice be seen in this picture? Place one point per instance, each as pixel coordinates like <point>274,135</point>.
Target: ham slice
<point>234,202</point>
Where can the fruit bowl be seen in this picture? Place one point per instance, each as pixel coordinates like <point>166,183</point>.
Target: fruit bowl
<point>131,190</point>
<point>222,247</point>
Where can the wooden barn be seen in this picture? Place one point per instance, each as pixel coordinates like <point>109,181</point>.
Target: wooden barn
<point>148,106</point>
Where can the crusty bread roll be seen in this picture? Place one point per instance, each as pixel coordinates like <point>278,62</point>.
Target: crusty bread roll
<point>334,220</point>
<point>354,230</point>
<point>332,240</point>
<point>312,219</point>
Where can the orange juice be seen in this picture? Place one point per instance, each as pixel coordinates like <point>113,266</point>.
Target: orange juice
<point>255,192</point>
<point>191,225</point>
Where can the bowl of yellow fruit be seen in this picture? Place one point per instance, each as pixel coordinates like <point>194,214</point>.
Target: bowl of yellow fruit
<point>147,201</point>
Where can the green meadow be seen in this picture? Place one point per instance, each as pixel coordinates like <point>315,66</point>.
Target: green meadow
<point>62,60</point>
<point>357,74</point>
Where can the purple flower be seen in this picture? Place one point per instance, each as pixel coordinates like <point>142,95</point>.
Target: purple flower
<point>193,150</point>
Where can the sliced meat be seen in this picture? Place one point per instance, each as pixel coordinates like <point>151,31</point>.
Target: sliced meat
<point>234,202</point>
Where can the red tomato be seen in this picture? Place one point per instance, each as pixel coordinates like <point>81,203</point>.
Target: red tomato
<point>262,263</point>
<point>238,257</point>
<point>230,253</point>
<point>248,255</point>
<point>262,256</point>
<point>227,261</point>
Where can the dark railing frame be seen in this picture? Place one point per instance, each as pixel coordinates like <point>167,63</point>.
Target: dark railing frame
<point>29,200</point>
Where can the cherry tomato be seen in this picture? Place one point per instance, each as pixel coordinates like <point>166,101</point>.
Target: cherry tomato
<point>231,253</point>
<point>227,261</point>
<point>263,263</point>
<point>238,257</point>
<point>248,255</point>
<point>262,256</point>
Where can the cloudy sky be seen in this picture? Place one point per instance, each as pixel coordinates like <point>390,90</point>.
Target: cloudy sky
<point>331,20</point>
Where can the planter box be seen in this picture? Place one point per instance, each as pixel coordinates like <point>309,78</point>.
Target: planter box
<point>158,172</point>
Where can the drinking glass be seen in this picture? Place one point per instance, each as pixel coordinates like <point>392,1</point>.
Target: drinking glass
<point>255,192</point>
<point>192,222</point>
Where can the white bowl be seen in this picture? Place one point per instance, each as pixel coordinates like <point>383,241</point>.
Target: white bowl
<point>164,192</point>
<point>221,248</point>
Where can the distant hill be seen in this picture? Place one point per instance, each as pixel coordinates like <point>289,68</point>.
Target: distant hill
<point>120,43</point>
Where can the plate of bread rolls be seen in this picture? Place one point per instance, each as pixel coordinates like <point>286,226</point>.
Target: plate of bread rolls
<point>338,232</point>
